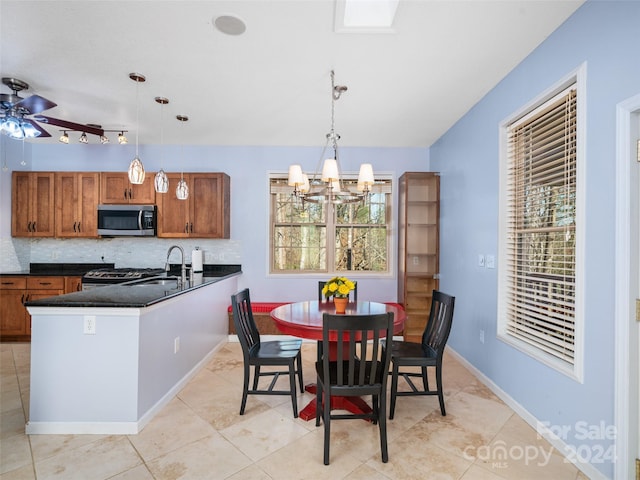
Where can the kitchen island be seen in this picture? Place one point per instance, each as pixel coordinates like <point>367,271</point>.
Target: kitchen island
<point>105,361</point>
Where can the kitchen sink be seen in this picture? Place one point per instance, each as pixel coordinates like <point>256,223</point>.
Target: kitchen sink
<point>167,281</point>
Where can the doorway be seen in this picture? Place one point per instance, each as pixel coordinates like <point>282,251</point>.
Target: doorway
<point>627,288</point>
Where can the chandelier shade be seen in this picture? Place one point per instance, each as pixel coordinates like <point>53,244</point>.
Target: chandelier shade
<point>161,181</point>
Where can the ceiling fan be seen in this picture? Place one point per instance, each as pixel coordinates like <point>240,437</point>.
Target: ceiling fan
<point>14,109</point>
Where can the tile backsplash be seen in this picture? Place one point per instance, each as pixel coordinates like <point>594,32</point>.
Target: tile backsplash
<point>17,253</point>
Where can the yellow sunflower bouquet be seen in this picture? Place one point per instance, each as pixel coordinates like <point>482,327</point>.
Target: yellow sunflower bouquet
<point>338,287</point>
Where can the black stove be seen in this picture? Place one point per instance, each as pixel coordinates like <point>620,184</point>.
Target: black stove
<point>110,276</point>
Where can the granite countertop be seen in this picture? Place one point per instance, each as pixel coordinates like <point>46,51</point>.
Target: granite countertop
<point>127,295</point>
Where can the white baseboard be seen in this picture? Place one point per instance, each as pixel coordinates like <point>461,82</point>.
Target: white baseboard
<point>535,423</point>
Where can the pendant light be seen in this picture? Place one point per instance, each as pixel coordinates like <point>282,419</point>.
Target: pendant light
<point>182,190</point>
<point>161,181</point>
<point>136,169</point>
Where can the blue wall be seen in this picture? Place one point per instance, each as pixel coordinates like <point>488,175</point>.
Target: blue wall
<point>605,35</point>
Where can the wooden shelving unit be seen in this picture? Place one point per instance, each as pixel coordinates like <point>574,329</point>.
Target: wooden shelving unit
<point>418,248</point>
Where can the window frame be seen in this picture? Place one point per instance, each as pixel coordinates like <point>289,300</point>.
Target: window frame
<point>331,226</point>
<point>574,370</point>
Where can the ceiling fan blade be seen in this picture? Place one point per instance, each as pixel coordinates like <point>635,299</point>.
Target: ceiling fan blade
<point>43,132</point>
<point>78,127</point>
<point>35,104</point>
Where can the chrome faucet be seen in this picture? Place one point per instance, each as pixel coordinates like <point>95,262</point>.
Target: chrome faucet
<point>183,270</point>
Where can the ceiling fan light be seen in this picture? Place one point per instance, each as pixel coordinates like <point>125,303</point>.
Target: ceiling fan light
<point>29,130</point>
<point>136,171</point>
<point>122,140</point>
<point>182,190</point>
<point>11,127</point>
<point>83,138</point>
<point>161,182</point>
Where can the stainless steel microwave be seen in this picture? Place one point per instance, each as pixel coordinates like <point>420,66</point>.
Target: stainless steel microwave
<point>127,220</point>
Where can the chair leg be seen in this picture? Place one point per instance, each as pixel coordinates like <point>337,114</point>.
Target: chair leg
<point>327,429</point>
<point>292,386</point>
<point>245,388</point>
<point>256,376</point>
<point>394,390</point>
<point>300,373</point>
<point>382,425</point>
<point>425,379</point>
<point>440,392</point>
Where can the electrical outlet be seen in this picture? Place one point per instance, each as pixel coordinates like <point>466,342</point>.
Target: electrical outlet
<point>89,324</point>
<point>416,260</point>
<point>481,336</point>
<point>481,260</point>
<point>491,261</point>
<point>176,345</point>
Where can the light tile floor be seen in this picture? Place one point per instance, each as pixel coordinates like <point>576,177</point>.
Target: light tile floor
<point>200,435</point>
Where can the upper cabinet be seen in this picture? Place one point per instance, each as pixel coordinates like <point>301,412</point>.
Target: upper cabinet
<point>77,196</point>
<point>205,214</point>
<point>32,204</point>
<point>418,247</point>
<point>115,188</point>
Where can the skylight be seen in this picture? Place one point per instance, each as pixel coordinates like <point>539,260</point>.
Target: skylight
<point>365,15</point>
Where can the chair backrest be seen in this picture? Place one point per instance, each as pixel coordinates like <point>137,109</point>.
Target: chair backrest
<point>246,328</point>
<point>436,333</point>
<point>361,362</point>
<point>322,298</point>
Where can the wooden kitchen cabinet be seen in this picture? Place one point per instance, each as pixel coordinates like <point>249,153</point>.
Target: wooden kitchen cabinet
<point>72,284</point>
<point>32,204</point>
<point>115,188</point>
<point>205,214</point>
<point>77,197</point>
<point>42,287</point>
<point>418,248</point>
<point>15,321</point>
<point>13,314</point>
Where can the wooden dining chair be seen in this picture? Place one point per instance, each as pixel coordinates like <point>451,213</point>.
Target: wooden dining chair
<point>427,353</point>
<point>276,353</point>
<point>360,368</point>
<point>322,298</point>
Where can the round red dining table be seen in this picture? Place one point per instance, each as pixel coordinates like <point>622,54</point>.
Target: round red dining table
<point>304,320</point>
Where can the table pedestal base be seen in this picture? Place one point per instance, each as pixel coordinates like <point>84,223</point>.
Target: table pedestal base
<point>350,404</point>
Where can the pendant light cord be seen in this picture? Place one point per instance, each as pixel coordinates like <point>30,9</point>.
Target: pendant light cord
<point>137,115</point>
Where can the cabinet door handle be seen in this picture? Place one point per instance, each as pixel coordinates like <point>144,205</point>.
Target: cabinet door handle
<point>29,227</point>
<point>186,227</point>
<point>79,230</point>
<point>44,283</point>
<point>22,299</point>
<point>34,226</point>
<point>74,226</point>
<point>130,194</point>
<point>191,227</point>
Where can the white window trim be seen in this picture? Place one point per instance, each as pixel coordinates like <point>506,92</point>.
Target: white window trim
<point>391,232</point>
<point>575,371</point>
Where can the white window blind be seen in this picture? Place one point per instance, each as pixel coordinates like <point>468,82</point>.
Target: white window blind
<point>540,256</point>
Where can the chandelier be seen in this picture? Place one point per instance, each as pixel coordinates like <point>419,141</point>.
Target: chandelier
<point>326,186</point>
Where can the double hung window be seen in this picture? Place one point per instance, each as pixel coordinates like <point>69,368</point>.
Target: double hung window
<point>539,229</point>
<point>328,238</point>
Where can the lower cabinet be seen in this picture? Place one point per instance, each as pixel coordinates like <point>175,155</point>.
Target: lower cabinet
<point>13,291</point>
<point>15,321</point>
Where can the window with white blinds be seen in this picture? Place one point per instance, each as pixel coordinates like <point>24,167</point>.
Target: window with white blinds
<point>538,244</point>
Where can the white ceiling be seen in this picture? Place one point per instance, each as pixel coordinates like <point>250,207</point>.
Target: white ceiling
<point>271,85</point>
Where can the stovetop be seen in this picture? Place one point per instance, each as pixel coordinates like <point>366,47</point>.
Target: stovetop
<point>120,274</point>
